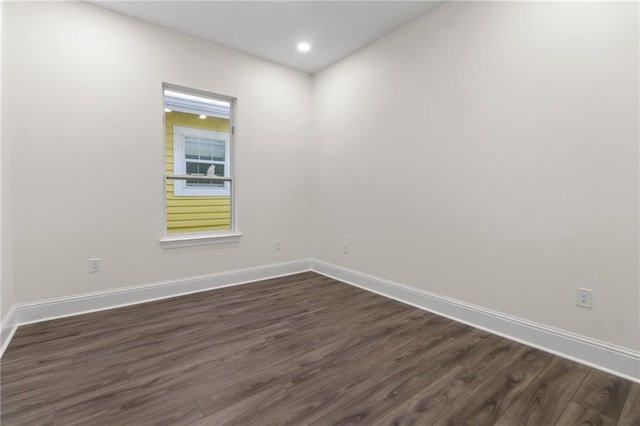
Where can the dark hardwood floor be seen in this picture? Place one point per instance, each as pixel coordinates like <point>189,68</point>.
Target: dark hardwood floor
<point>298,350</point>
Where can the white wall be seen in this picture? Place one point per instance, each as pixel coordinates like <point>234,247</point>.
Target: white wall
<point>82,93</point>
<point>489,152</point>
<point>6,234</point>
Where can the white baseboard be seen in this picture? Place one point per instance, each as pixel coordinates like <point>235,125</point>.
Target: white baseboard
<point>7,329</point>
<point>613,359</point>
<point>601,355</point>
<point>26,313</point>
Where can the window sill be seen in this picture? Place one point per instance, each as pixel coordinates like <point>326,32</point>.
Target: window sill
<point>199,240</point>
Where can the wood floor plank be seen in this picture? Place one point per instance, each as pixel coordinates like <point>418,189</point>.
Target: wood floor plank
<point>385,393</point>
<point>603,393</point>
<point>299,350</point>
<point>166,348</point>
<point>468,363</point>
<point>55,331</point>
<point>35,415</point>
<point>24,378</point>
<point>481,353</point>
<point>545,400</point>
<point>255,360</point>
<point>80,417</point>
<point>375,343</point>
<point>65,389</point>
<point>326,388</point>
<point>433,401</point>
<point>410,361</point>
<point>576,414</point>
<point>67,385</point>
<point>486,404</point>
<point>630,415</point>
<point>157,413</point>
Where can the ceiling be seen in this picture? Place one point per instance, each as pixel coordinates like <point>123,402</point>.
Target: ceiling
<point>272,29</point>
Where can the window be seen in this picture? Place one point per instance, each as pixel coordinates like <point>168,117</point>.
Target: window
<point>200,152</point>
<point>198,163</point>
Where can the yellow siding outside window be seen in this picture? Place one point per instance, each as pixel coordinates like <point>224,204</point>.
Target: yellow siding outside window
<point>193,214</point>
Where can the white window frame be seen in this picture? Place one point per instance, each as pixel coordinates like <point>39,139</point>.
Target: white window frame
<point>180,187</point>
<point>215,105</point>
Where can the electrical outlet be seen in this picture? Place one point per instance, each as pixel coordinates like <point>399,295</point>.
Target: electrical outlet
<point>345,248</point>
<point>94,265</point>
<point>277,247</point>
<point>583,297</point>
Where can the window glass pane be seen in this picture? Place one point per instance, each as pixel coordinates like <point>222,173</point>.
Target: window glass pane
<point>204,149</point>
<point>191,148</point>
<point>203,184</point>
<point>218,149</point>
<point>200,168</point>
<point>215,169</point>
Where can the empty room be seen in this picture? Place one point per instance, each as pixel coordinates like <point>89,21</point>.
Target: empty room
<point>320,213</point>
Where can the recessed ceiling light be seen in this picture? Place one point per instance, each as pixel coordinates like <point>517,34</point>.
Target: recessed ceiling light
<point>203,116</point>
<point>303,46</point>
<point>167,110</point>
